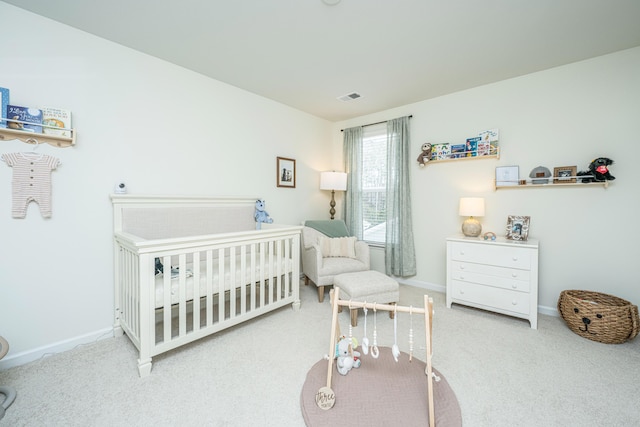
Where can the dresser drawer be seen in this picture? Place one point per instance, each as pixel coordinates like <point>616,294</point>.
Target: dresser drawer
<point>501,277</point>
<point>490,297</point>
<point>503,256</point>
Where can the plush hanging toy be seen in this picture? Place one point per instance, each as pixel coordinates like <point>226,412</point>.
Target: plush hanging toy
<point>261,215</point>
<point>425,156</point>
<point>598,171</point>
<point>347,357</point>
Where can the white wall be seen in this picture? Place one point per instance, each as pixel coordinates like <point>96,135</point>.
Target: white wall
<point>159,128</point>
<point>560,117</point>
<point>165,130</point>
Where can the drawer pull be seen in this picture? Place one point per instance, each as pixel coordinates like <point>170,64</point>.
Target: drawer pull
<point>461,291</point>
<point>461,252</point>
<point>514,286</point>
<point>514,302</point>
<point>515,258</point>
<point>514,274</point>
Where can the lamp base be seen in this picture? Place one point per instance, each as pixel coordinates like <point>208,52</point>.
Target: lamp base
<point>471,227</point>
<point>332,211</point>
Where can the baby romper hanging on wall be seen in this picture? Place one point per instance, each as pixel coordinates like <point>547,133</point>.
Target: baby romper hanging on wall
<point>31,181</point>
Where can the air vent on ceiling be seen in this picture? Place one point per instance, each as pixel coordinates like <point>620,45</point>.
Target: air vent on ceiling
<point>350,96</point>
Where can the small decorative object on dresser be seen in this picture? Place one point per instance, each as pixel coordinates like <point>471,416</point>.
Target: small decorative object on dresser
<point>471,207</point>
<point>517,227</point>
<point>496,275</point>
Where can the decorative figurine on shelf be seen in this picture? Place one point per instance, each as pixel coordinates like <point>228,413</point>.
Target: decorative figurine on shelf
<point>540,175</point>
<point>598,171</point>
<point>261,215</point>
<point>425,156</point>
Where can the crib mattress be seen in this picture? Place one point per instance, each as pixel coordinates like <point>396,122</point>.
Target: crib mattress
<point>280,265</point>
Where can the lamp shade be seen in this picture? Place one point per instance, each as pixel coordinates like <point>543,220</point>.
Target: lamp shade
<point>471,206</point>
<point>336,181</point>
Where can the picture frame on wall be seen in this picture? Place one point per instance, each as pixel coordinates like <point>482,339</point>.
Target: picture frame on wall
<point>518,227</point>
<point>565,174</point>
<point>286,172</point>
<point>507,175</point>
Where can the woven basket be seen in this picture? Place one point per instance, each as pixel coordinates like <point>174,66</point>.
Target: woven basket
<point>599,317</point>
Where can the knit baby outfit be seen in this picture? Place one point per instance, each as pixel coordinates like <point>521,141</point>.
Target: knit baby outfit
<point>31,181</point>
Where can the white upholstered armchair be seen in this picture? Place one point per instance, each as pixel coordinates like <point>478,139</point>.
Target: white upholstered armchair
<point>328,250</point>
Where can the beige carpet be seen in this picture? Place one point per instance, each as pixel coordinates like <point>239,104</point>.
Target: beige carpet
<point>503,373</point>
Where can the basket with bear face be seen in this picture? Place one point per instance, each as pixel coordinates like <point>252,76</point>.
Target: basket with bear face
<point>599,317</point>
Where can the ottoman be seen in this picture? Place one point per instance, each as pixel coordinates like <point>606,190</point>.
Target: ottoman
<point>370,286</point>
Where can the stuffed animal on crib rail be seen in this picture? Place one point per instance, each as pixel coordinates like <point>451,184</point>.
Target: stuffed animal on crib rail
<point>598,171</point>
<point>425,156</point>
<point>347,357</point>
<point>261,215</point>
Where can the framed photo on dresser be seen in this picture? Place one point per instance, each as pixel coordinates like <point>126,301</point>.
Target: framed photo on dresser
<point>518,227</point>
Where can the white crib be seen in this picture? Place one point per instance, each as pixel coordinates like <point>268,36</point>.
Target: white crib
<point>224,270</point>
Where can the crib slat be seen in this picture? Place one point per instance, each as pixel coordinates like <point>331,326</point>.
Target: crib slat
<point>210,295</point>
<point>262,274</point>
<point>166,293</point>
<point>221,297</point>
<point>279,266</point>
<point>243,279</point>
<point>182,295</point>
<point>253,276</point>
<point>196,290</point>
<point>232,282</point>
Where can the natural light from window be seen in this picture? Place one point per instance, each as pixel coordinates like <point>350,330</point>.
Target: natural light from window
<point>374,183</point>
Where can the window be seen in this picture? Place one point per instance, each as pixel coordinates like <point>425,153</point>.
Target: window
<point>374,183</point>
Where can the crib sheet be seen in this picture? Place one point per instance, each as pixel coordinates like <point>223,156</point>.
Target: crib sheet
<point>282,266</point>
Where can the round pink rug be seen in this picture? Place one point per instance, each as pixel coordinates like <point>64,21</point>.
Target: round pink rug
<point>381,392</point>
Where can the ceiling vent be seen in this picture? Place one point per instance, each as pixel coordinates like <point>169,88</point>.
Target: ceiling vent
<point>350,96</point>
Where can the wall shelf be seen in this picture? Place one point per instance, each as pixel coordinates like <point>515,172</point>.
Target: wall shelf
<point>551,183</point>
<point>493,154</point>
<point>38,138</point>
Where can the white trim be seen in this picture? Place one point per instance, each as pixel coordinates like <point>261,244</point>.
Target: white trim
<point>61,346</point>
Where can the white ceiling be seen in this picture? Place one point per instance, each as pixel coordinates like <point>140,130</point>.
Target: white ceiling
<point>306,54</point>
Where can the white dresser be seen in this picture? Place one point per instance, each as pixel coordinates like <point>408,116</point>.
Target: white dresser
<point>499,275</point>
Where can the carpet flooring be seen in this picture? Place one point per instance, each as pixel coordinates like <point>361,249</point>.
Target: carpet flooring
<point>503,373</point>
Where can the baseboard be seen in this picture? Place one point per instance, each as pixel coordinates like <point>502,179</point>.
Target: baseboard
<point>549,311</point>
<point>421,284</point>
<point>25,357</point>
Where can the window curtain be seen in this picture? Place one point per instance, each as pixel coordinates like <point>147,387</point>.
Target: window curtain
<point>352,155</point>
<point>400,258</point>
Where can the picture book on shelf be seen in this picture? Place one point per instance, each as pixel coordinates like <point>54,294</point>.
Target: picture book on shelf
<point>457,150</point>
<point>491,135</point>
<point>28,119</point>
<point>484,148</point>
<point>440,151</point>
<point>56,121</point>
<point>472,146</point>
<point>4,103</point>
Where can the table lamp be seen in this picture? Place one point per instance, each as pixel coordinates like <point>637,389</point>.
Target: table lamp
<point>334,181</point>
<point>471,207</point>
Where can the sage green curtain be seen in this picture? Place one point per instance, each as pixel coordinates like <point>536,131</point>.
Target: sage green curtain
<point>352,156</point>
<point>400,257</point>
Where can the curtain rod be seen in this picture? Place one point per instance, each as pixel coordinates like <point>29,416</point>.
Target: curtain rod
<point>377,123</point>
